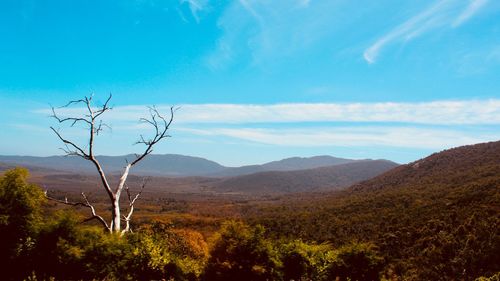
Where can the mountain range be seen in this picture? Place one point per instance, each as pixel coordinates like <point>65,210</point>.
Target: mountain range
<point>178,173</point>
<point>318,179</point>
<point>170,165</point>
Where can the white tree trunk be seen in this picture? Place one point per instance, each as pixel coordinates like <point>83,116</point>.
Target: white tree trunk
<point>116,223</point>
<point>116,213</point>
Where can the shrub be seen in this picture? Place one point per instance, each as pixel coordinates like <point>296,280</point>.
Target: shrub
<point>67,250</point>
<point>161,252</point>
<point>302,261</point>
<point>241,252</point>
<point>356,261</point>
<point>20,208</point>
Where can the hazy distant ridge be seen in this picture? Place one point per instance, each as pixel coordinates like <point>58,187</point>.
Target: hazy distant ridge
<point>318,179</point>
<point>171,164</point>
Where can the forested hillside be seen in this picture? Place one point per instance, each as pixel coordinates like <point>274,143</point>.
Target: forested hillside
<point>436,218</point>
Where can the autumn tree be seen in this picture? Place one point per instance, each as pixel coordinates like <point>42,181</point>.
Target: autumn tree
<point>93,123</point>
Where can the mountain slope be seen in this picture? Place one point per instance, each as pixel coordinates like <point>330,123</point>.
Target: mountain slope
<point>434,219</point>
<point>323,178</point>
<point>288,164</point>
<point>454,166</point>
<point>300,163</point>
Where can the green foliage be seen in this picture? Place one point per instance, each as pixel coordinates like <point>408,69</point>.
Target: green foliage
<point>20,214</point>
<point>355,261</point>
<point>302,261</point>
<point>437,219</point>
<point>68,251</point>
<point>240,252</point>
<point>159,251</point>
<point>495,277</point>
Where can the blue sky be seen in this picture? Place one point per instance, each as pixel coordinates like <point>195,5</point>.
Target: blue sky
<point>256,80</point>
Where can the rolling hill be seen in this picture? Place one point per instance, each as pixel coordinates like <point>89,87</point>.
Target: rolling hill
<point>317,179</point>
<point>453,167</point>
<point>288,164</point>
<point>437,218</point>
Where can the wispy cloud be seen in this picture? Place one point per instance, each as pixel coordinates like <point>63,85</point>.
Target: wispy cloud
<point>473,7</point>
<point>29,127</point>
<point>260,31</point>
<point>248,7</point>
<point>409,29</point>
<point>423,125</point>
<point>304,3</point>
<point>404,137</point>
<point>196,6</point>
<point>441,14</point>
<point>478,61</point>
<point>435,113</point>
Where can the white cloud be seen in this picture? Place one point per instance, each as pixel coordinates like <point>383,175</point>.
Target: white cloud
<point>248,7</point>
<point>409,29</point>
<point>441,14</point>
<point>29,127</point>
<point>196,6</point>
<point>473,7</point>
<point>438,112</point>
<point>459,112</point>
<point>404,137</point>
<point>260,31</point>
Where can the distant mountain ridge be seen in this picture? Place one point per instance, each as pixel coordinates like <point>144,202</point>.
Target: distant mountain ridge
<point>155,165</point>
<point>287,164</point>
<point>318,179</point>
<point>170,164</point>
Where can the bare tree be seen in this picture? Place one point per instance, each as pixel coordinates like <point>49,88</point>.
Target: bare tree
<point>93,123</point>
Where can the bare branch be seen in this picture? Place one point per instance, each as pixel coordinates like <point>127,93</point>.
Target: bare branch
<point>73,120</point>
<point>94,214</point>
<point>83,204</point>
<point>74,102</point>
<point>93,130</point>
<point>161,127</point>
<point>104,108</point>
<point>131,204</point>
<point>79,150</point>
<point>101,127</point>
<point>132,200</point>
